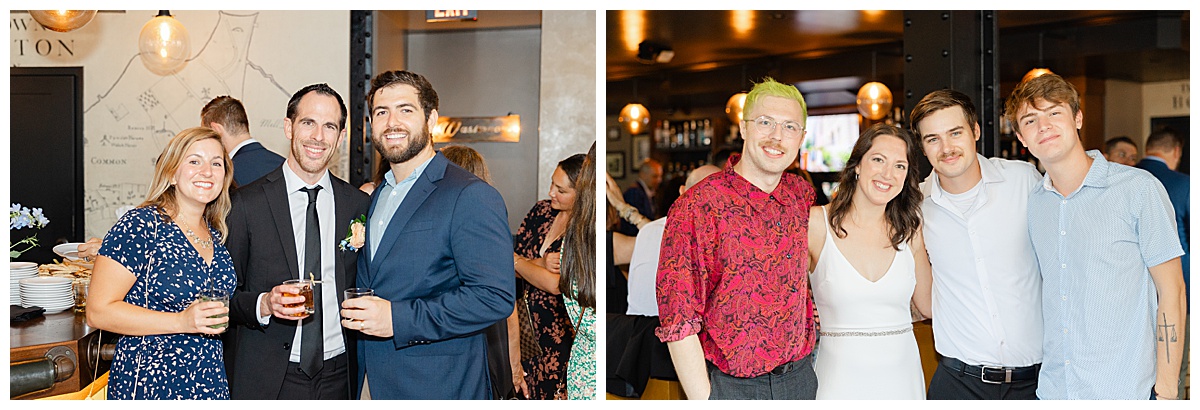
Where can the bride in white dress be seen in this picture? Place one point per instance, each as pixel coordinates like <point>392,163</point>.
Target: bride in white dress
<point>869,263</point>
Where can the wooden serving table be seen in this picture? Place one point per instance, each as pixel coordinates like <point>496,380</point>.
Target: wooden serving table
<point>30,340</point>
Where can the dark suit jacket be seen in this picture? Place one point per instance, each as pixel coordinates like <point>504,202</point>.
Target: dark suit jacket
<point>252,162</point>
<point>263,248</point>
<point>637,196</point>
<point>1179,190</point>
<point>445,263</point>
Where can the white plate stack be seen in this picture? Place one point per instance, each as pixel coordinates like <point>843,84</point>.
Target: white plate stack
<point>18,271</point>
<point>51,293</point>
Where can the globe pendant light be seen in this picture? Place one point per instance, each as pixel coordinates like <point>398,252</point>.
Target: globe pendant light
<point>1041,69</point>
<point>164,44</point>
<point>874,99</point>
<point>734,107</point>
<point>634,117</point>
<point>62,20</point>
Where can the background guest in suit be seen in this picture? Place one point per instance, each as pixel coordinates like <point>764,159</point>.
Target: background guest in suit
<point>437,255</point>
<point>151,268</point>
<point>1164,149</point>
<point>539,241</point>
<point>251,160</point>
<point>276,355</point>
<point>501,332</point>
<point>641,193</point>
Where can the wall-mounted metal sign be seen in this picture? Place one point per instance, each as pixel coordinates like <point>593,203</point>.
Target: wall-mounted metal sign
<point>434,16</point>
<point>478,129</point>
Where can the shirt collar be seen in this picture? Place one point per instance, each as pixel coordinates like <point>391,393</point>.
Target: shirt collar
<point>390,179</point>
<point>987,170</point>
<point>1151,157</point>
<point>1097,175</point>
<point>248,141</point>
<point>294,183</point>
<point>646,187</point>
<point>785,192</point>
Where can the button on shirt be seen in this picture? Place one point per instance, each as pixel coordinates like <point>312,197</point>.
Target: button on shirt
<point>1094,248</point>
<point>733,270</point>
<point>986,285</point>
<point>391,195</point>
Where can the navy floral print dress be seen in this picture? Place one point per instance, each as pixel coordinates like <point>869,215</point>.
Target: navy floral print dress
<point>170,273</point>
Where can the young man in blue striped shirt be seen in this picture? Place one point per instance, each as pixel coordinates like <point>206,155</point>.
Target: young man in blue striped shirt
<point>1104,236</point>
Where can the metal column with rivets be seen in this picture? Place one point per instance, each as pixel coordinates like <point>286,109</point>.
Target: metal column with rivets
<point>955,49</point>
<point>362,23</point>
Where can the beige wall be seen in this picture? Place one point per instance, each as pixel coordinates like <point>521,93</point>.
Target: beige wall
<point>568,101</point>
<point>1129,106</point>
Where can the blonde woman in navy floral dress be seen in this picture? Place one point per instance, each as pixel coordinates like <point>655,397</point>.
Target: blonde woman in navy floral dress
<point>152,265</point>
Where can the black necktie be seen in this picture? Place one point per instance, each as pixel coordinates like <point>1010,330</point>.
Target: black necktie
<point>312,342</point>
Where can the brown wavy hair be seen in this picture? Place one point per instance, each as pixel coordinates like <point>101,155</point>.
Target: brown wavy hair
<point>903,212</point>
<point>162,193</point>
<point>1049,87</point>
<point>579,244</point>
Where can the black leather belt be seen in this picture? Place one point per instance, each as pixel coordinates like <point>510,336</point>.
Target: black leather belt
<point>993,374</point>
<point>787,367</point>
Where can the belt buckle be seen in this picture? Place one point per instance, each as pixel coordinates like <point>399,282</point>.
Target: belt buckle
<point>782,369</point>
<point>983,371</point>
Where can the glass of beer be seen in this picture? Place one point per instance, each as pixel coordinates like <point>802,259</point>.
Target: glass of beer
<point>306,290</point>
<point>215,295</point>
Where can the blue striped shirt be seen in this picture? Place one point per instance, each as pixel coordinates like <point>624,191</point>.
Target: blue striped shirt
<point>1094,248</point>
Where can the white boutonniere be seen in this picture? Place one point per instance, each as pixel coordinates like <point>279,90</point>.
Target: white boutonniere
<point>356,236</point>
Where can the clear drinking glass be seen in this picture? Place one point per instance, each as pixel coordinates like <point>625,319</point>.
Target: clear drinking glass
<point>306,290</point>
<point>216,295</point>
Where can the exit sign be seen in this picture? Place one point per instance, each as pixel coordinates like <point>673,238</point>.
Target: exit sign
<point>433,16</point>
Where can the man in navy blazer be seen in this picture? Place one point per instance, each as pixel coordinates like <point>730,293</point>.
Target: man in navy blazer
<point>251,160</point>
<point>1164,149</point>
<point>438,256</point>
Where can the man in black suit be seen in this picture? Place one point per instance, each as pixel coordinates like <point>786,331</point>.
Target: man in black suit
<point>641,193</point>
<point>290,224</point>
<point>251,160</point>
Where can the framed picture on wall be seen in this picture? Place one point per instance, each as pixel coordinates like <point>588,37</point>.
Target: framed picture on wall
<point>616,164</point>
<point>614,133</point>
<point>641,151</point>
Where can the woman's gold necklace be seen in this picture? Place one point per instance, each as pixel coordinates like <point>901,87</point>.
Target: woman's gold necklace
<point>203,243</point>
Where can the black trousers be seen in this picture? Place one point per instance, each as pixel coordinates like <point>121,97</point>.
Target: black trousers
<point>798,382</point>
<point>948,384</point>
<point>328,384</point>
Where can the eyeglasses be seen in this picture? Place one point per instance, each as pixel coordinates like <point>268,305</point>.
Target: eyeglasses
<point>766,125</point>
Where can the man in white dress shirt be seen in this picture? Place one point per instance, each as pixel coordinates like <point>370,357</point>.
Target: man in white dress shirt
<point>986,284</point>
<point>643,265</point>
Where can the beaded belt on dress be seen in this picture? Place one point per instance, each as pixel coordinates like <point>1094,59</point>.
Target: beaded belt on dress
<point>867,334</point>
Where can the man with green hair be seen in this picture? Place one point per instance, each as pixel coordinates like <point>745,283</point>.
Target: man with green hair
<point>732,286</point>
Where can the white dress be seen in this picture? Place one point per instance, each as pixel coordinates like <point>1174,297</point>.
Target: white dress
<point>867,349</point>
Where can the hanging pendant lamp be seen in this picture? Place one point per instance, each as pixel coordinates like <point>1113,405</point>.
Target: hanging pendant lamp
<point>635,118</point>
<point>164,44</point>
<point>62,20</point>
<point>874,99</point>
<point>1041,69</point>
<point>735,106</point>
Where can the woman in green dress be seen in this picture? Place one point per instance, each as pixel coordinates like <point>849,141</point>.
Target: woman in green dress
<point>578,283</point>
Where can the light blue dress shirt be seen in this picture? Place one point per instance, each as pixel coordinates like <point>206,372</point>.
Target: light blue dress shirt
<point>391,195</point>
<point>1094,248</point>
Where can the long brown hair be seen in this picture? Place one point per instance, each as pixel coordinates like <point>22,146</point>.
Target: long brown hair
<point>162,192</point>
<point>579,246</point>
<point>903,212</point>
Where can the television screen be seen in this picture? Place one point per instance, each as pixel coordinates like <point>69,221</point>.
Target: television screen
<point>829,142</point>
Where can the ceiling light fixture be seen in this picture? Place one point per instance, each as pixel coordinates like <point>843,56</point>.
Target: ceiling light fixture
<point>62,20</point>
<point>653,53</point>
<point>164,44</point>
<point>874,98</point>
<point>1041,69</point>
<point>634,117</point>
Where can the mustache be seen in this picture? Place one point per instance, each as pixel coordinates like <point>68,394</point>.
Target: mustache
<point>390,130</point>
<point>953,152</point>
<point>315,143</point>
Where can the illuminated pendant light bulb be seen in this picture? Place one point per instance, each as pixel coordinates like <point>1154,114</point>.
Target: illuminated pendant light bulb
<point>62,20</point>
<point>1041,69</point>
<point>874,100</point>
<point>635,117</point>
<point>164,44</point>
<point>734,107</point>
